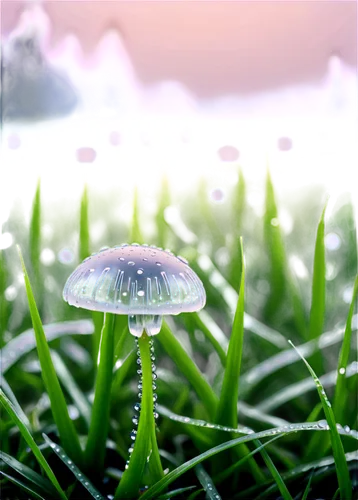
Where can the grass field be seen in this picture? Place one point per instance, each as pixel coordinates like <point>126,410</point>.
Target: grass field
<point>257,393</point>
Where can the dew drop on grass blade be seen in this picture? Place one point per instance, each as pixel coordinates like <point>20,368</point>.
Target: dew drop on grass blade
<point>74,469</point>
<point>7,405</point>
<point>343,477</point>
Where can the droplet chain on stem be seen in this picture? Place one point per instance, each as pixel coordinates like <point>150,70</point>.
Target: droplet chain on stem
<point>137,406</point>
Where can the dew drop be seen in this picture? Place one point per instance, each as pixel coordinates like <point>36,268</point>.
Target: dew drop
<point>141,293</point>
<point>135,420</point>
<point>133,435</point>
<point>342,370</point>
<point>140,271</point>
<point>347,429</point>
<point>137,407</point>
<point>121,259</point>
<point>131,263</point>
<point>158,263</point>
<point>322,424</point>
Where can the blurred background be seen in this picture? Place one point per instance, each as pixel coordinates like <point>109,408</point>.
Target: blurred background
<point>180,61</point>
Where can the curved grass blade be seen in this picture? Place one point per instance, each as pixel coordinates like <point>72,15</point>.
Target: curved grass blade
<point>207,483</point>
<point>242,429</point>
<point>74,469</point>
<point>275,474</point>
<point>9,393</point>
<point>343,477</point>
<point>308,487</point>
<point>293,474</point>
<point>68,382</point>
<point>175,493</point>
<point>228,471</point>
<point>43,484</point>
<point>341,392</point>
<point>8,406</point>
<point>317,315</point>
<point>188,368</point>
<point>66,429</point>
<point>29,489</point>
<point>302,387</point>
<point>179,471</point>
<point>26,341</point>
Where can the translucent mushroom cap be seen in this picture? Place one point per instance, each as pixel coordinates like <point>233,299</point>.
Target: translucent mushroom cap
<point>135,280</point>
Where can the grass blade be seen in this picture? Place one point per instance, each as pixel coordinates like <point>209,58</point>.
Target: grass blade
<point>97,436</point>
<point>59,409</point>
<point>275,474</point>
<point>295,473</point>
<point>344,480</point>
<point>9,393</point>
<point>7,405</point>
<point>308,487</point>
<point>250,379</point>
<point>29,489</point>
<point>174,493</point>
<point>135,233</point>
<point>188,368</point>
<point>227,413</point>
<point>26,341</point>
<point>176,473</point>
<point>4,304</point>
<point>207,483</point>
<point>75,470</point>
<point>228,471</point>
<point>227,407</point>
<point>72,388</point>
<point>318,293</point>
<point>341,392</point>
<point>42,483</point>
<point>35,239</point>
<point>84,243</point>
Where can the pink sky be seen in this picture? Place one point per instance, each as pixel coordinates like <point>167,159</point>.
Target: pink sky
<point>214,47</point>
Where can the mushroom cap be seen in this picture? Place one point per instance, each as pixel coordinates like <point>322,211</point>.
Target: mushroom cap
<point>135,279</point>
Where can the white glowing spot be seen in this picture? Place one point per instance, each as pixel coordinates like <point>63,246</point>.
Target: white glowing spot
<point>347,295</point>
<point>141,293</point>
<point>10,293</point>
<point>298,267</point>
<point>342,371</point>
<point>231,177</point>
<point>331,271</point>
<point>222,256</point>
<point>248,322</point>
<point>255,199</point>
<point>204,262</point>
<point>65,256</point>
<point>6,240</point>
<point>274,222</point>
<point>126,213</point>
<point>47,257</point>
<point>172,215</point>
<point>47,231</point>
<point>332,241</point>
<point>218,194</point>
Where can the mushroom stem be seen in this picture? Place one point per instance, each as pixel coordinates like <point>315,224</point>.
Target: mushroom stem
<point>150,322</point>
<point>145,442</point>
<point>97,436</point>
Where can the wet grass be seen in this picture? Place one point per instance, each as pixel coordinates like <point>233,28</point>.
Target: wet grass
<point>239,416</point>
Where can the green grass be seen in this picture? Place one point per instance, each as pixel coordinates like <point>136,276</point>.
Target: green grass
<point>239,417</point>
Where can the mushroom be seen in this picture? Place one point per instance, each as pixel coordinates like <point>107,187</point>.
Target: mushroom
<point>145,283</point>
<point>141,281</point>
